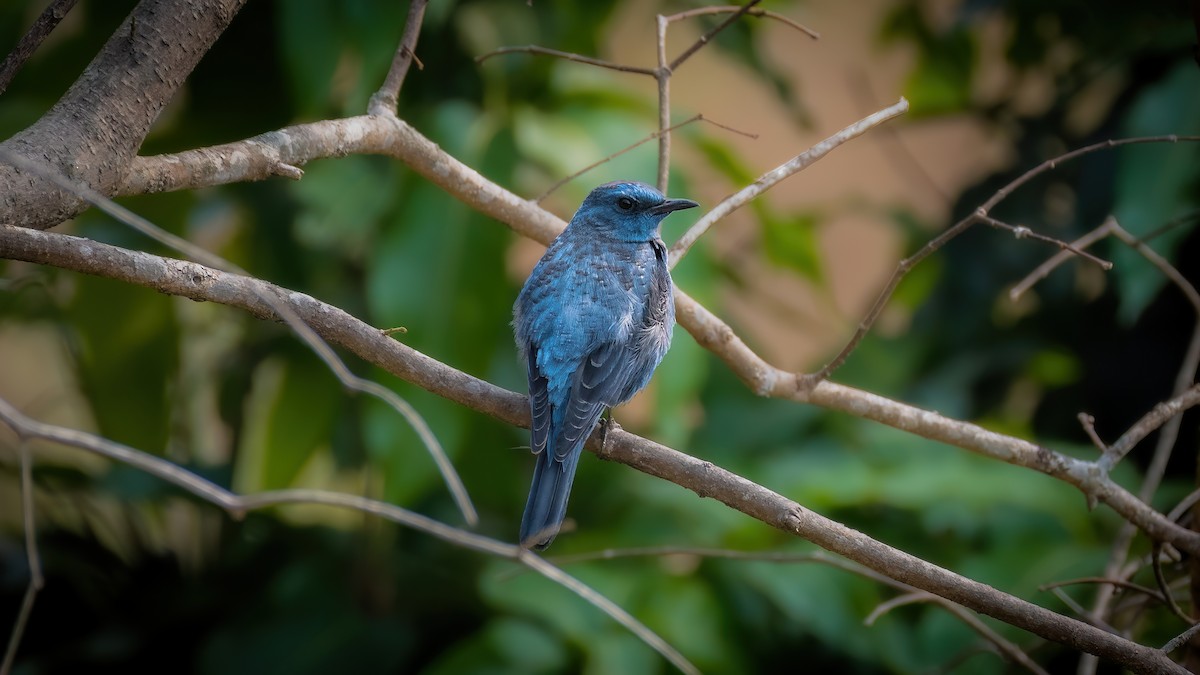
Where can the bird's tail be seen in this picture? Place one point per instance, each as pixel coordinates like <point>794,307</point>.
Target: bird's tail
<point>547,505</point>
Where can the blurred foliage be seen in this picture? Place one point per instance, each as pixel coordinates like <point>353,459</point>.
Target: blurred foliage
<point>141,576</point>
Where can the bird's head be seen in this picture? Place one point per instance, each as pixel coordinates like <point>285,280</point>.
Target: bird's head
<point>626,211</point>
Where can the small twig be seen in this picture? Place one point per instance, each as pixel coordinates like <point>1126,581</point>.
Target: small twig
<point>32,39</point>
<point>322,349</point>
<point>904,162</point>
<point>1081,612</point>
<point>1042,271</point>
<point>1089,427</point>
<point>1165,588</point>
<point>898,601</point>
<point>1181,639</point>
<point>384,101</point>
<point>1147,424</point>
<point>755,12</point>
<point>36,580</point>
<point>610,608</point>
<point>902,268</point>
<point>238,505</point>
<point>392,331</point>
<point>769,179</point>
<point>649,137</point>
<point>1023,232</point>
<point>662,76</point>
<point>1004,646</point>
<point>1118,583</point>
<point>569,56</point>
<point>704,39</point>
<point>1185,504</point>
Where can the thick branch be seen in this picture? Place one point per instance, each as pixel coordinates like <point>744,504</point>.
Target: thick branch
<point>98,125</point>
<point>704,478</point>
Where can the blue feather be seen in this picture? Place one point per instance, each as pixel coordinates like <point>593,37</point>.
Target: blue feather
<point>592,322</point>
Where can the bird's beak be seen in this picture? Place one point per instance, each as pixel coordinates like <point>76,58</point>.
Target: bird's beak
<point>672,205</point>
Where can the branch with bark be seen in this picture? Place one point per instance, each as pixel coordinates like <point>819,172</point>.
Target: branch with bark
<point>84,151</point>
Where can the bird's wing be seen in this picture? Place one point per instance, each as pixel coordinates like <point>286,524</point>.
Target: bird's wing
<point>595,385</point>
<point>539,404</point>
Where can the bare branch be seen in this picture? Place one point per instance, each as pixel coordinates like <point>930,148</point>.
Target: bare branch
<point>958,228</point>
<point>1042,271</point>
<point>238,505</point>
<point>391,136</point>
<point>1023,232</point>
<point>31,40</point>
<point>610,608</point>
<point>704,39</point>
<point>755,12</point>
<point>653,135</point>
<point>310,338</point>
<point>1149,423</point>
<point>769,179</point>
<point>663,77</point>
<point>95,129</point>
<point>36,580</point>
<point>385,100</point>
<point>569,56</point>
<point>1181,639</point>
<point>704,478</point>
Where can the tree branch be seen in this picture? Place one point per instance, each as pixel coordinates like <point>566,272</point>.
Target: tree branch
<point>32,39</point>
<point>385,134</point>
<point>238,505</point>
<point>385,100</point>
<point>704,478</point>
<point>94,129</point>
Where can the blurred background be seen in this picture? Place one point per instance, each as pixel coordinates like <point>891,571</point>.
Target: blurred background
<point>141,576</point>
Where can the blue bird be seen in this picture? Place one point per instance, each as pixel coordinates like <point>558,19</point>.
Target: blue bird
<point>592,323</point>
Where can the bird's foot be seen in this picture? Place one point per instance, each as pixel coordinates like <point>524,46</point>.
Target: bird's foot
<point>606,423</point>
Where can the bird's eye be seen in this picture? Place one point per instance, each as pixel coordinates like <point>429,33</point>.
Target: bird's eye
<point>625,203</point>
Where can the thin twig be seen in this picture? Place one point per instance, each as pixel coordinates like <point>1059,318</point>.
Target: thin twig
<point>769,179</point>
<point>32,39</point>
<point>958,228</point>
<point>649,137</point>
<point>1042,271</point>
<point>1155,471</point>
<point>610,608</point>
<point>348,379</point>
<point>662,76</point>
<point>386,99</point>
<point>755,12</point>
<point>32,555</point>
<point>1160,578</point>
<point>1081,612</point>
<point>1118,583</point>
<point>1004,646</point>
<point>238,505</point>
<point>1023,232</point>
<point>1149,422</point>
<point>898,601</point>
<point>569,56</point>
<point>1088,422</point>
<point>704,39</point>
<point>1181,639</point>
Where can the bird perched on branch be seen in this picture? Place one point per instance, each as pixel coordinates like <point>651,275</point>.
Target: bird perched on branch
<point>592,323</point>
